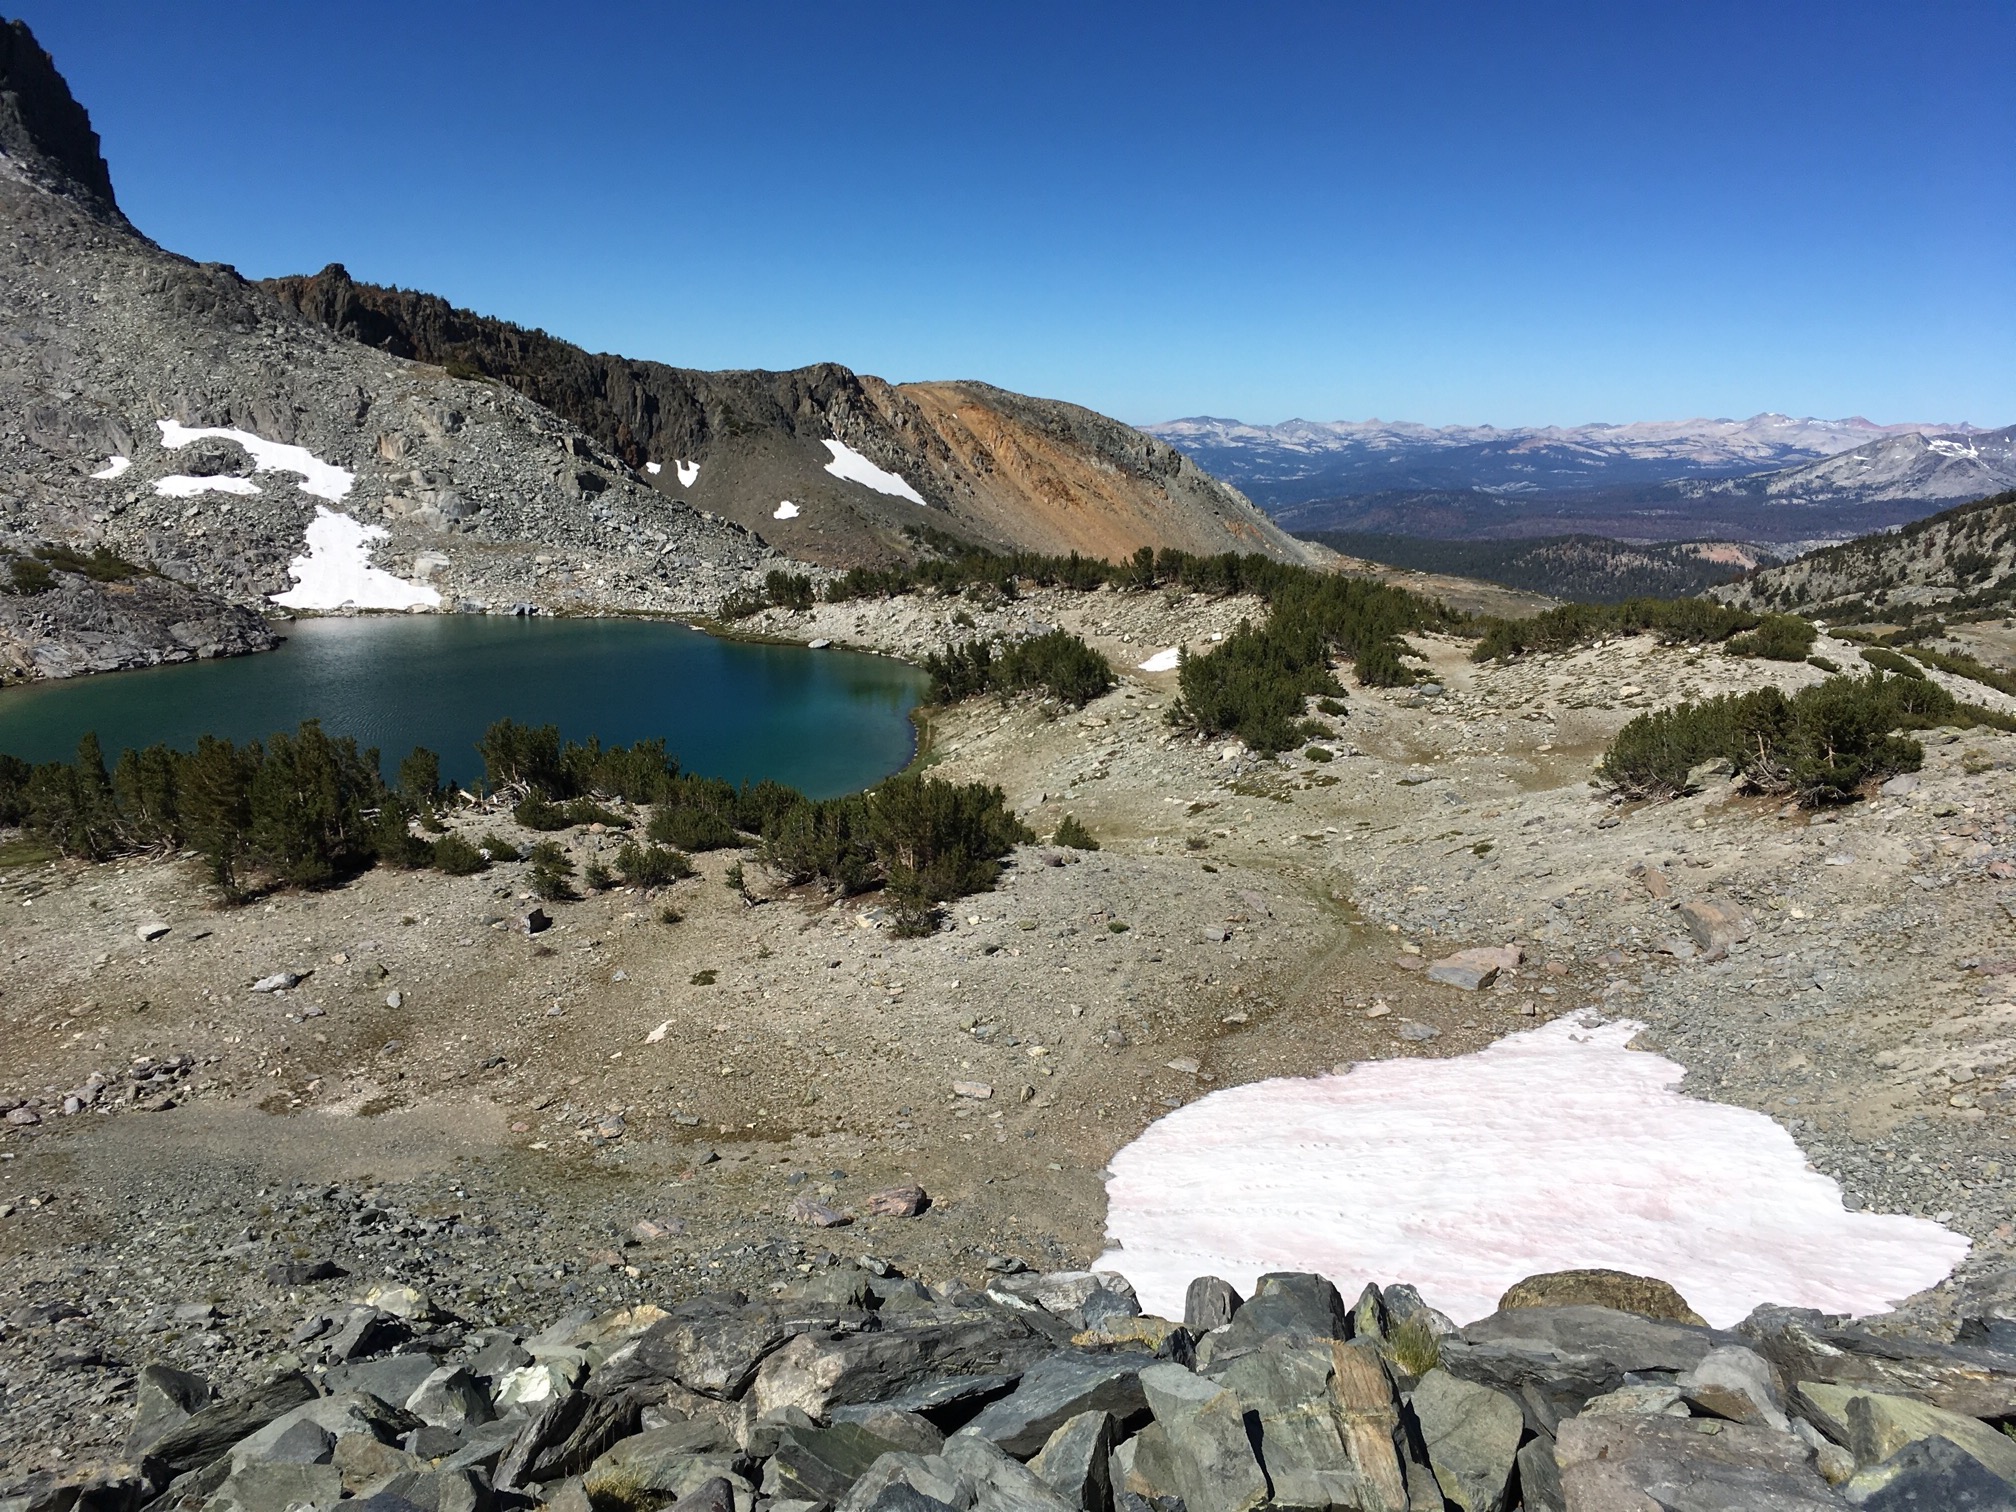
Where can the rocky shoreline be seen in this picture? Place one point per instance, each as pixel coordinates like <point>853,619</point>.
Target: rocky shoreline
<point>855,1388</point>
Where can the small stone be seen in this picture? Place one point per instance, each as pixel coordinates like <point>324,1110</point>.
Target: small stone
<point>809,1209</point>
<point>897,1202</point>
<point>536,921</point>
<point>978,1091</point>
<point>1412,1030</point>
<point>395,999</point>
<point>280,981</point>
<point>151,931</point>
<point>1185,1065</point>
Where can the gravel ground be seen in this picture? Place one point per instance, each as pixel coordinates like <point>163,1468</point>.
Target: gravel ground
<point>499,1135</point>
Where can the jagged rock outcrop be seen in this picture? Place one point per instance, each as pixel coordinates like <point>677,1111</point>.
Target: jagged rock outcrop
<point>43,130</point>
<point>80,626</point>
<point>987,465</point>
<point>113,346</point>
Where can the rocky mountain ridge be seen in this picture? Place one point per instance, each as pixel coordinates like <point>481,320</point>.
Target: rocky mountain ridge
<point>1919,468</point>
<point>966,458</point>
<point>1960,559</point>
<point>206,430</point>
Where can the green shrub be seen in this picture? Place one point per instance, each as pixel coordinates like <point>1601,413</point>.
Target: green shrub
<point>693,829</point>
<point>457,857</point>
<point>597,877</point>
<point>927,840</point>
<point>536,813</point>
<point>1073,834</point>
<point>28,577</point>
<point>497,848</point>
<point>1824,663</point>
<point>523,757</point>
<point>960,672</point>
<point>1778,637</point>
<point>651,865</point>
<point>1968,667</point>
<point>1319,753</point>
<point>789,590</point>
<point>1822,744</point>
<point>1057,663</point>
<point>14,773</point>
<point>1885,660</point>
<point>552,873</point>
<point>705,978</point>
<point>1331,707</point>
<point>1677,622</point>
<point>1254,685</point>
<point>100,565</point>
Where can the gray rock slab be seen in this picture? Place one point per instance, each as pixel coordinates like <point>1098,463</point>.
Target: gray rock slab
<point>450,1397</point>
<point>1000,1483</point>
<point>817,1372</point>
<point>163,1399</point>
<point>1569,1354</point>
<point>1977,1380</point>
<point>822,1464</point>
<point>931,1477</point>
<point>1288,1392</point>
<point>1628,1464</point>
<point>1540,1477</point>
<point>714,1349</point>
<point>393,1378</point>
<point>277,1488</point>
<point>953,1395</point>
<point>1210,1303</point>
<point>1076,1461</point>
<point>1930,1474</point>
<point>207,1434</point>
<point>1205,1426</point>
<point>1472,1437</point>
<point>1058,1388</point>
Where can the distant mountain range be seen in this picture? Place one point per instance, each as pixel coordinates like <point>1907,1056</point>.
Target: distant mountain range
<point>1769,478</point>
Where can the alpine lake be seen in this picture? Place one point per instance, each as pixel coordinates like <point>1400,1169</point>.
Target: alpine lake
<point>825,722</point>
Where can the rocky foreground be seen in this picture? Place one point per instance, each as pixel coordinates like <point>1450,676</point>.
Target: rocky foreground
<point>858,1389</point>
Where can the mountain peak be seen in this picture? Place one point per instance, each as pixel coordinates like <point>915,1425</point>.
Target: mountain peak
<point>43,128</point>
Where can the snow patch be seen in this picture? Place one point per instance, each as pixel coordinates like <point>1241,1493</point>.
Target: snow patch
<point>181,486</point>
<point>653,468</point>
<point>1163,661</point>
<point>337,573</point>
<point>114,467</point>
<point>785,511</point>
<point>849,464</point>
<point>1550,1150</point>
<point>324,480</point>
<point>689,473</point>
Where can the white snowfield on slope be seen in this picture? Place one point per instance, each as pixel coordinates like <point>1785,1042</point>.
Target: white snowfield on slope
<point>1556,1149</point>
<point>336,572</point>
<point>849,464</point>
<point>322,480</point>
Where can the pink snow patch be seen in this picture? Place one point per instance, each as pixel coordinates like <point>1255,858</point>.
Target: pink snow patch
<point>1551,1150</point>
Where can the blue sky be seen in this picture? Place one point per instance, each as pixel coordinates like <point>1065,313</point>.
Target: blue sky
<point>1444,212</point>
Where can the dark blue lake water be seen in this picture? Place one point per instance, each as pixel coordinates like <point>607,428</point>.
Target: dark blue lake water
<point>825,722</point>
